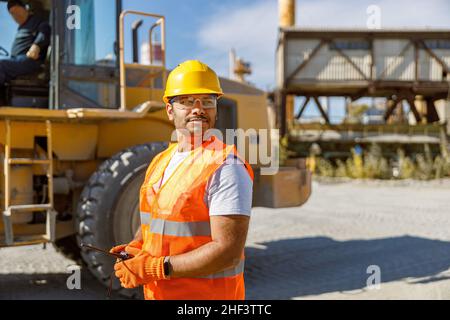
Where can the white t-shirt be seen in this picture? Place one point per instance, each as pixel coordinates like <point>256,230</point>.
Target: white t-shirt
<point>228,191</point>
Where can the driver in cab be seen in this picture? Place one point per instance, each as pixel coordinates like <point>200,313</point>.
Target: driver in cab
<point>30,45</point>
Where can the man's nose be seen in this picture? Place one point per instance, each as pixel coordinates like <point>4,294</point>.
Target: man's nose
<point>197,108</point>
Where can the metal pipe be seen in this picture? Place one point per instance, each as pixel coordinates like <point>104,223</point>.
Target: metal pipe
<point>57,79</point>
<point>163,48</point>
<point>150,41</point>
<point>6,164</point>
<point>150,51</point>
<point>159,22</point>
<point>116,46</point>
<point>122,53</point>
<point>50,165</point>
<point>134,30</point>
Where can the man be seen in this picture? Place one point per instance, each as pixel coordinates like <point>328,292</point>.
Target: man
<point>195,203</point>
<point>30,45</point>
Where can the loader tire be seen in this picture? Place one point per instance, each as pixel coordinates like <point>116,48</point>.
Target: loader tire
<point>108,209</point>
<point>68,247</point>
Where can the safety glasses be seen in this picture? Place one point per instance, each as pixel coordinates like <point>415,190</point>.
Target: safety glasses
<point>188,102</point>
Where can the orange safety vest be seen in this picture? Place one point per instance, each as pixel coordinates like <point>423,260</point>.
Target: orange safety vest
<point>175,220</point>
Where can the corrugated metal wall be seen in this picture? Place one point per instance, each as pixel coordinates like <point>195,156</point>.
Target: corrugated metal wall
<point>394,60</point>
<point>429,68</point>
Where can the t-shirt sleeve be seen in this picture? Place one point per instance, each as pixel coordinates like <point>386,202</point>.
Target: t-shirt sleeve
<point>43,36</point>
<point>229,190</point>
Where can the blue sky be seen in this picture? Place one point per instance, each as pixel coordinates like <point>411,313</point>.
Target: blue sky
<point>208,29</point>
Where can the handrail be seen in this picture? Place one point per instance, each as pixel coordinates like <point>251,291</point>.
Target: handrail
<point>160,21</point>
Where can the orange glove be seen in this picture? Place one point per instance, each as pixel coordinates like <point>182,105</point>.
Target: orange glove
<point>133,248</point>
<point>140,270</point>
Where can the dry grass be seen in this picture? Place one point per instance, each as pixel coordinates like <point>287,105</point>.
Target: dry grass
<point>371,164</point>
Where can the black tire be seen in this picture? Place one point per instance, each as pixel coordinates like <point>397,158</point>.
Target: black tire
<point>108,209</point>
<point>68,246</point>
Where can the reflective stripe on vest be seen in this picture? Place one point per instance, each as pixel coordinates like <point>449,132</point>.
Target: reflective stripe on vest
<point>187,229</point>
<point>145,218</point>
<point>176,228</point>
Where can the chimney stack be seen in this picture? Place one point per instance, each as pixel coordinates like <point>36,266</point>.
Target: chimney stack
<point>286,16</point>
<point>286,13</point>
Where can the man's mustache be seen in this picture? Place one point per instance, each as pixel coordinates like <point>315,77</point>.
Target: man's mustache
<point>197,117</point>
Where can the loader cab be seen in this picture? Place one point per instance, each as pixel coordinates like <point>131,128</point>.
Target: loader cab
<point>100,57</point>
<point>31,89</point>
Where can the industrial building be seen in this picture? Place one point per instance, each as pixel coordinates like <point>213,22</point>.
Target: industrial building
<point>402,66</point>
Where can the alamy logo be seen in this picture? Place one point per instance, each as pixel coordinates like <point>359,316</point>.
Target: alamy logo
<point>74,19</point>
<point>374,17</point>
<point>74,280</point>
<point>260,147</point>
<point>374,280</point>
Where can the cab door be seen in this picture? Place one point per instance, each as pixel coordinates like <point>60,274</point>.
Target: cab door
<point>86,63</point>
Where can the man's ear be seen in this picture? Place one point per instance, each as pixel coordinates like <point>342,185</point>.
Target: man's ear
<point>169,110</point>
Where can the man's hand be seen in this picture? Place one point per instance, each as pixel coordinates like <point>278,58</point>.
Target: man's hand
<point>33,52</point>
<point>139,270</point>
<point>133,248</point>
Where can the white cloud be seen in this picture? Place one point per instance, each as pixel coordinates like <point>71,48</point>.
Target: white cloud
<point>394,14</point>
<point>145,53</point>
<point>252,29</point>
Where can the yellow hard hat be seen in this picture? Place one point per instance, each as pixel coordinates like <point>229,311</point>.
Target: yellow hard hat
<point>192,77</point>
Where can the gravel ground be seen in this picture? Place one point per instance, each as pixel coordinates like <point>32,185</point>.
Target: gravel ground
<point>321,250</point>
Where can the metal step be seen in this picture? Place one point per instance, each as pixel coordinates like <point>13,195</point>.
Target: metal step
<point>28,161</point>
<point>24,240</point>
<point>30,207</point>
<point>9,238</point>
<point>50,227</point>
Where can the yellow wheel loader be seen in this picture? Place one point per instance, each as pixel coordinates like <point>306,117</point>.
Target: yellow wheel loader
<point>77,137</point>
